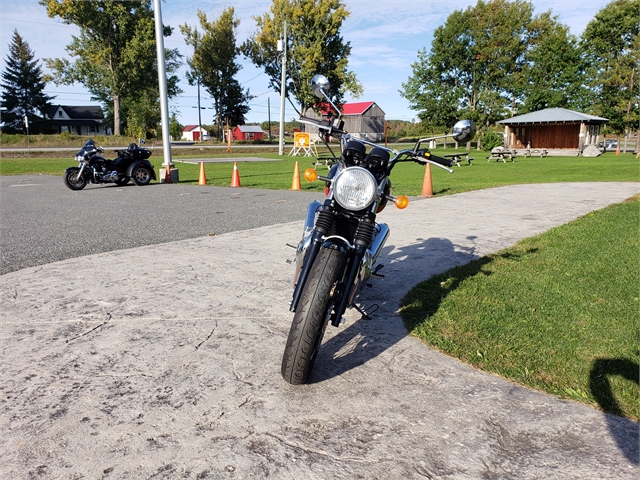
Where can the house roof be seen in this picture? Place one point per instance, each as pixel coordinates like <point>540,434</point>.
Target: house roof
<point>250,129</point>
<point>554,115</point>
<point>92,112</point>
<point>189,128</point>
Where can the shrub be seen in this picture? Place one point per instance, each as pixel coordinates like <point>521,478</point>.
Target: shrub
<point>491,140</point>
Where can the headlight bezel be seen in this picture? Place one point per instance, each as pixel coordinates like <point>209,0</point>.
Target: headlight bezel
<point>354,188</point>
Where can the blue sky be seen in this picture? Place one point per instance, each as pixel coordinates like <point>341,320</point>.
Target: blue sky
<point>385,37</point>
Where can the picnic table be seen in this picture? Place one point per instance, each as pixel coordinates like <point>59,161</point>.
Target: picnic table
<point>537,151</point>
<point>458,157</point>
<point>501,153</point>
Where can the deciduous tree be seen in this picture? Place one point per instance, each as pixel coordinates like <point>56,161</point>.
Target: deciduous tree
<point>115,53</point>
<point>611,44</point>
<point>214,66</point>
<point>554,74</point>
<point>487,60</point>
<point>314,45</point>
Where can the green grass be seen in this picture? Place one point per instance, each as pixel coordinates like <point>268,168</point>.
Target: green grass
<point>557,312</point>
<point>407,178</point>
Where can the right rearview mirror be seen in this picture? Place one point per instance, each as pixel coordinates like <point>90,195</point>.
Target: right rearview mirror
<point>463,131</point>
<point>320,86</point>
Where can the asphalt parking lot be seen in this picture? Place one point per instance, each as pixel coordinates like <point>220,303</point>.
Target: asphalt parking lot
<point>43,221</point>
<point>162,360</point>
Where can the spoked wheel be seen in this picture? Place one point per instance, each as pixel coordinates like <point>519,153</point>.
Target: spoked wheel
<point>73,180</point>
<point>312,316</point>
<point>141,175</point>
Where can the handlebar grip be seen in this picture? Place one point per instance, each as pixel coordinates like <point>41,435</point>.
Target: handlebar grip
<point>442,161</point>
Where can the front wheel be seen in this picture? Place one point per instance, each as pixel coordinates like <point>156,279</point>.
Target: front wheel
<point>74,180</point>
<point>141,175</point>
<point>312,316</point>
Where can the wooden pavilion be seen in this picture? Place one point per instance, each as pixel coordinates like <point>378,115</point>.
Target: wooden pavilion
<point>552,128</point>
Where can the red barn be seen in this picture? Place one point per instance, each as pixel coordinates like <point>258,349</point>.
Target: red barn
<point>361,119</point>
<point>247,132</point>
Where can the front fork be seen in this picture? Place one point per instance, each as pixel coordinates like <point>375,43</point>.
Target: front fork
<point>316,229</point>
<point>81,169</point>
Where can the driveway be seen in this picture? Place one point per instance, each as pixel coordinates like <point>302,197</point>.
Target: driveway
<point>162,361</point>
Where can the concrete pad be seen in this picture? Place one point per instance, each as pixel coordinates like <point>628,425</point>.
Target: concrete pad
<point>229,160</point>
<point>164,362</point>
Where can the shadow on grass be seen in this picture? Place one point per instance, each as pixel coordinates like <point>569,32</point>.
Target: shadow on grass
<point>623,430</point>
<point>430,294</point>
<point>366,339</point>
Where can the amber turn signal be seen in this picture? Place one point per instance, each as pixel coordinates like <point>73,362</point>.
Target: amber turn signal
<point>310,175</point>
<point>401,201</point>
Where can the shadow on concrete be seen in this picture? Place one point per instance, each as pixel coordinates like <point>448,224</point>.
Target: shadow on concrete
<point>623,430</point>
<point>366,339</point>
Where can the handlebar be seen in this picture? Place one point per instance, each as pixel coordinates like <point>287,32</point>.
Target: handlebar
<point>418,155</point>
<point>446,162</point>
<point>333,128</point>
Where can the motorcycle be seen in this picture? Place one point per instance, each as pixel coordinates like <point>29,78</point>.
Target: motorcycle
<point>341,239</point>
<point>131,164</point>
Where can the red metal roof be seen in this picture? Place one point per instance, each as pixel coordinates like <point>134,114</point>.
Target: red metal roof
<point>356,108</point>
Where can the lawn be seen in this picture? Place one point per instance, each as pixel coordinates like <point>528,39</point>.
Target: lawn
<point>407,178</point>
<point>557,312</point>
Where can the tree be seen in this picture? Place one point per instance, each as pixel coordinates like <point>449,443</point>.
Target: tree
<point>554,74</point>
<point>115,51</point>
<point>175,127</point>
<point>214,66</point>
<point>314,45</point>
<point>23,89</point>
<point>611,43</point>
<point>486,59</point>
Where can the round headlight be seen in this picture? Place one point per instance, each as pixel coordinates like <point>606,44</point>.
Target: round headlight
<point>354,188</point>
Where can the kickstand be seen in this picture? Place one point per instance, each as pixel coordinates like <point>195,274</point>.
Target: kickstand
<point>365,313</point>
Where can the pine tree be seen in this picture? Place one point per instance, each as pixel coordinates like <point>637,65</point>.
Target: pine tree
<point>23,90</point>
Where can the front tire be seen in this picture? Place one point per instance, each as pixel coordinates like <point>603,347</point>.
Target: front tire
<point>141,175</point>
<point>312,316</point>
<point>73,180</point>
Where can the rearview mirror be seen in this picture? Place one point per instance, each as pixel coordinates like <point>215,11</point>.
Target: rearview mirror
<point>463,131</point>
<point>320,86</point>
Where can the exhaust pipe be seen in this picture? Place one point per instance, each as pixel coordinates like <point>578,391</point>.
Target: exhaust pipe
<point>381,239</point>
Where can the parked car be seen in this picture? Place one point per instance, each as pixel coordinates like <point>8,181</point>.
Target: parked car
<point>608,144</point>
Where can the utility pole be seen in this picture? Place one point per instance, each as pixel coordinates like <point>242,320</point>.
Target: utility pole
<point>162,83</point>
<point>199,116</point>
<point>269,116</point>
<point>283,87</point>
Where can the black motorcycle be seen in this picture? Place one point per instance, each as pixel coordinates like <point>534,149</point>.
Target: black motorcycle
<point>341,240</point>
<point>131,164</point>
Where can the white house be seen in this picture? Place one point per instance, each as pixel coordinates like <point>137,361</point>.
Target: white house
<point>84,120</point>
<point>193,133</point>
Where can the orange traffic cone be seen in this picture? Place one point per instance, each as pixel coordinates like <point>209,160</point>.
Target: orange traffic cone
<point>617,150</point>
<point>427,185</point>
<point>235,179</point>
<point>167,175</point>
<point>295,184</point>
<point>203,178</point>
